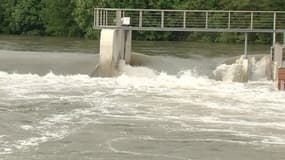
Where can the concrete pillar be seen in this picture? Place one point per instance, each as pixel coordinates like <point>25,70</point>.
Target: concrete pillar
<point>127,46</point>
<point>278,54</point>
<point>115,45</point>
<point>277,61</point>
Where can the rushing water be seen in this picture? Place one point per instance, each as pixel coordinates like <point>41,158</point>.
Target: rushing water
<point>169,106</point>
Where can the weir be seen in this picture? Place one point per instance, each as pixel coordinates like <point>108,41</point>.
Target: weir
<point>117,26</point>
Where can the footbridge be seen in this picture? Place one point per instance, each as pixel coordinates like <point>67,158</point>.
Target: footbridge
<point>191,20</point>
<point>119,24</point>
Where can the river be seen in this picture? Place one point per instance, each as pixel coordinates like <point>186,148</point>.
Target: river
<point>168,106</point>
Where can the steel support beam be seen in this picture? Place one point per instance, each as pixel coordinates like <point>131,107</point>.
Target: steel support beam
<point>274,39</point>
<point>245,44</point>
<point>284,38</point>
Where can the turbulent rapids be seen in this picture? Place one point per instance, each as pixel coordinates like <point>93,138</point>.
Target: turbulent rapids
<point>160,107</point>
<point>42,63</point>
<point>258,69</point>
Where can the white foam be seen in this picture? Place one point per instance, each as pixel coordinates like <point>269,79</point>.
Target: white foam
<point>258,70</point>
<point>136,71</point>
<point>4,151</point>
<point>34,141</point>
<point>111,147</point>
<point>4,148</point>
<point>160,97</point>
<point>228,73</point>
<point>27,127</point>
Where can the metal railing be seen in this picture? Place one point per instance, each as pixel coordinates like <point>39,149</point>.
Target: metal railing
<point>191,20</point>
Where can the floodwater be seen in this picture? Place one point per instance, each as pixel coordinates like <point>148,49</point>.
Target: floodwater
<point>169,106</point>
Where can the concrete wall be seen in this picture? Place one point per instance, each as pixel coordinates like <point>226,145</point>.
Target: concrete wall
<point>115,45</point>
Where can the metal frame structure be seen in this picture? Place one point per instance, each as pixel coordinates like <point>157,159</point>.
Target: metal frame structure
<point>192,20</point>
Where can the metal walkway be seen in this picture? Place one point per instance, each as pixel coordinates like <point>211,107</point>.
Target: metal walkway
<point>191,20</point>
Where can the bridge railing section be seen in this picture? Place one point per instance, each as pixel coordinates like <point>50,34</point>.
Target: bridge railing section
<point>191,20</point>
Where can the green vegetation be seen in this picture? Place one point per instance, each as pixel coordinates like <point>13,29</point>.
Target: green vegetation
<point>73,18</point>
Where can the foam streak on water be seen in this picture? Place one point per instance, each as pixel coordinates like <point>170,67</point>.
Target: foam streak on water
<point>128,115</point>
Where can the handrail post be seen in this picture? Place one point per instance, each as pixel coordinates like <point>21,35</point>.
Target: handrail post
<point>106,16</point>
<point>229,20</point>
<point>207,15</point>
<point>123,13</point>
<point>118,18</point>
<point>140,18</point>
<point>162,19</point>
<point>184,19</point>
<point>103,18</point>
<point>96,20</point>
<point>251,21</point>
<point>274,29</point>
<point>274,21</point>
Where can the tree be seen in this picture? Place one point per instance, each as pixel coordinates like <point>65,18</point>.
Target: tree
<point>8,7</point>
<point>1,16</point>
<point>59,18</point>
<point>27,17</point>
<point>75,17</point>
<point>83,16</point>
